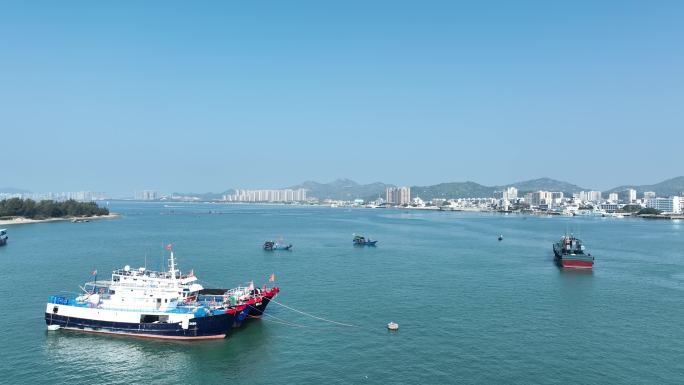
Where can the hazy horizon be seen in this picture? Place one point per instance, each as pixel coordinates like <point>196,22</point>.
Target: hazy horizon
<point>173,96</point>
<point>120,194</point>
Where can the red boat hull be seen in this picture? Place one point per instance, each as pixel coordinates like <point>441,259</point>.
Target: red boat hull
<point>576,264</point>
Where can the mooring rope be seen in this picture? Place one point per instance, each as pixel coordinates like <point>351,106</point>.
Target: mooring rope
<point>281,320</point>
<point>313,316</point>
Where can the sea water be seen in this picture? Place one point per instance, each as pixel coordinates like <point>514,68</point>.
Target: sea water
<point>471,309</point>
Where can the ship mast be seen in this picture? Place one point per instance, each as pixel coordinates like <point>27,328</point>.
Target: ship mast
<point>173,270</point>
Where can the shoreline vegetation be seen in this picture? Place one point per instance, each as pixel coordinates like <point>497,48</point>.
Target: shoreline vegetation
<point>22,221</point>
<point>20,211</point>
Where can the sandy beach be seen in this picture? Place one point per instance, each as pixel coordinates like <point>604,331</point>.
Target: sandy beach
<point>23,221</point>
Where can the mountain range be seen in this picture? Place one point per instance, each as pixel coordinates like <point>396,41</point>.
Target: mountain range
<point>667,187</point>
<point>346,189</point>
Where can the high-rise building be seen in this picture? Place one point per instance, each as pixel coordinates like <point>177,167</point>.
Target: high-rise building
<point>542,198</point>
<point>509,194</point>
<point>146,195</point>
<point>628,196</point>
<point>398,195</point>
<point>613,197</point>
<point>589,196</point>
<point>649,194</point>
<point>286,195</point>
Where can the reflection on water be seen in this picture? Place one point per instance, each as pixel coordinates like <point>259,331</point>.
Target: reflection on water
<point>123,359</point>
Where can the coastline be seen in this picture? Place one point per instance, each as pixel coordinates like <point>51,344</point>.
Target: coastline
<point>23,221</point>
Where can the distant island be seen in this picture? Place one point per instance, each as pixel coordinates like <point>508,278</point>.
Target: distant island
<point>17,210</point>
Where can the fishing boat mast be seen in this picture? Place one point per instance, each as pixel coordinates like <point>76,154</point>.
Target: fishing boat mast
<point>172,270</point>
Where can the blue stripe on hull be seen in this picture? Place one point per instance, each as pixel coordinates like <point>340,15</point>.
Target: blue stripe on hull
<point>204,327</point>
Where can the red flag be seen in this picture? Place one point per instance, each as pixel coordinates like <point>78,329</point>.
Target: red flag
<point>168,247</point>
<point>271,278</point>
<point>94,272</point>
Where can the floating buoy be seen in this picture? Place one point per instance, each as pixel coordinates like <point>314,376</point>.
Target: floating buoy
<point>53,327</point>
<point>393,326</point>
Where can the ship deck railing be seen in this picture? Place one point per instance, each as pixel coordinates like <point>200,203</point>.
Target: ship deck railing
<point>139,284</point>
<point>179,309</point>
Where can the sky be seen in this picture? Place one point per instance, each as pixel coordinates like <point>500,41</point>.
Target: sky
<point>206,96</point>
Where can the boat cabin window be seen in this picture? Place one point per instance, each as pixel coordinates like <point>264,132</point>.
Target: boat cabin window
<point>116,278</point>
<point>55,309</point>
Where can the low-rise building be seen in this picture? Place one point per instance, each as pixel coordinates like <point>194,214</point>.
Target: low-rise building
<point>671,205</point>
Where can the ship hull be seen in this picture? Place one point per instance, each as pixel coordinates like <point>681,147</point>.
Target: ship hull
<point>574,263</point>
<point>212,327</point>
<point>241,316</point>
<point>257,310</point>
<point>367,243</point>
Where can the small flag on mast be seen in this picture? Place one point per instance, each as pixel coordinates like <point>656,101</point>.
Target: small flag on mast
<point>94,272</point>
<point>168,247</point>
<point>191,273</point>
<point>271,278</point>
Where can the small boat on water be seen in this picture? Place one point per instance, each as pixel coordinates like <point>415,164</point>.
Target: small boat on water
<point>360,240</point>
<point>393,326</point>
<point>273,245</point>
<point>569,253</point>
<point>3,237</point>
<point>500,238</point>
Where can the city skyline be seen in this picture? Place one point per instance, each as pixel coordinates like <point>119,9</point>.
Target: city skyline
<point>141,193</point>
<point>392,194</point>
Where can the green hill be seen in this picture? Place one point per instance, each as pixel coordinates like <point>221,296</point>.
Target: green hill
<point>343,189</point>
<point>669,187</point>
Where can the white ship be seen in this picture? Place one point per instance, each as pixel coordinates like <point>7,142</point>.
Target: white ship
<point>142,303</point>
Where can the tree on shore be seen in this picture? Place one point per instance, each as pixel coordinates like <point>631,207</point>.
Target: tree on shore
<point>649,211</point>
<point>28,208</point>
<point>630,209</point>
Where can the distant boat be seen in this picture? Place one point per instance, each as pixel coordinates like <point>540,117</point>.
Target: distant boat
<point>569,253</point>
<point>273,245</point>
<point>3,237</point>
<point>500,238</point>
<point>360,240</point>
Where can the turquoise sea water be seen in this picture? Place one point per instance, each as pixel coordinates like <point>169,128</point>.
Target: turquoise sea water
<point>470,309</point>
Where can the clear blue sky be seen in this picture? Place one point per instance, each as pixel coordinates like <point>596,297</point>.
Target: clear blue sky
<point>185,96</point>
